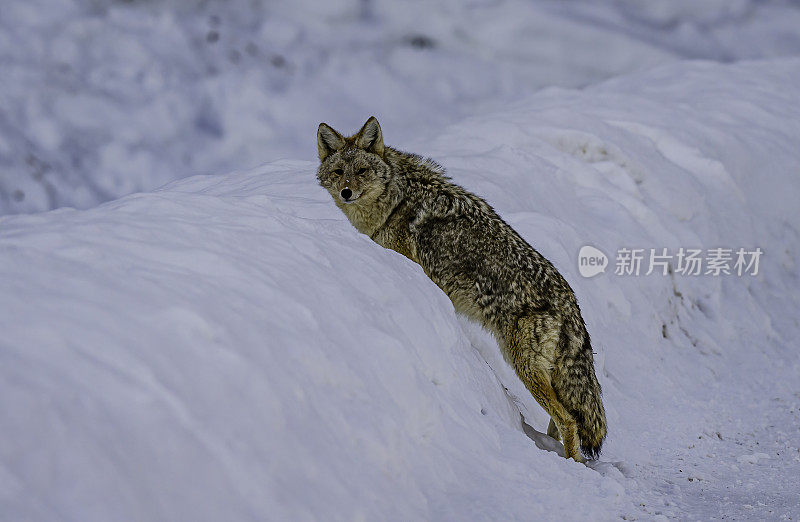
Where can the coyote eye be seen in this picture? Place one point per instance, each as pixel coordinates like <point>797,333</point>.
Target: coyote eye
<point>362,170</point>
<point>338,172</point>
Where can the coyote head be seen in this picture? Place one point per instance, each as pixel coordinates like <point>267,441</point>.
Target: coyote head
<point>352,169</point>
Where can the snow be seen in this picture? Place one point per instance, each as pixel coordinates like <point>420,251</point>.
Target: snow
<point>229,347</point>
<point>751,459</point>
<point>104,98</point>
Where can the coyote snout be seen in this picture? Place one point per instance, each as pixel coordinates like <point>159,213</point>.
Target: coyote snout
<point>406,203</point>
<point>348,196</point>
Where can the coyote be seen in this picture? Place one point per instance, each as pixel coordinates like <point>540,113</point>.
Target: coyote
<point>406,203</point>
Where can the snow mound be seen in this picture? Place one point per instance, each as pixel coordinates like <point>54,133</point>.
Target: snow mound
<point>103,98</point>
<point>228,347</point>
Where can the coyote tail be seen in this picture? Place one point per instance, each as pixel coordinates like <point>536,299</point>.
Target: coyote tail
<point>577,388</point>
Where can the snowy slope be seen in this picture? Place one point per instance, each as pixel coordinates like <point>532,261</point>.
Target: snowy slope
<point>103,98</point>
<point>229,348</point>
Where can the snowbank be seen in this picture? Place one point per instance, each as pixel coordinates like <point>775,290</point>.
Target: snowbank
<point>103,98</point>
<point>228,347</point>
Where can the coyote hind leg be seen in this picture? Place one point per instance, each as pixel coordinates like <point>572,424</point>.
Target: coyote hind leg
<point>561,422</point>
<point>530,345</point>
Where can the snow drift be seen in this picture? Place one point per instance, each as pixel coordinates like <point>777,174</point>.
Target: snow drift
<point>228,347</point>
<point>103,98</point>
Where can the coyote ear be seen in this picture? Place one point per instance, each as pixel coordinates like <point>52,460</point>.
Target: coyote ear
<point>370,137</point>
<point>328,141</point>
